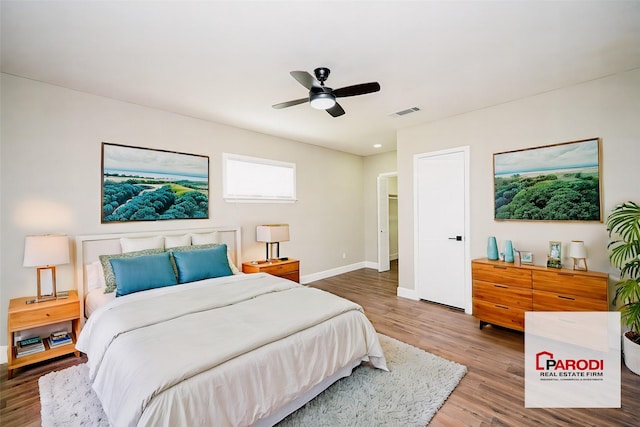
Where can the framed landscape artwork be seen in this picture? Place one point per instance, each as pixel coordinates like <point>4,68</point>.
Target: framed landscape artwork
<point>142,184</point>
<point>558,182</point>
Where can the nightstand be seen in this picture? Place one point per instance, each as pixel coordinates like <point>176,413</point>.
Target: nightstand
<point>23,316</point>
<point>289,269</point>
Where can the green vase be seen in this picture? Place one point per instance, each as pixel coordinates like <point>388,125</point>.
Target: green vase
<point>492,249</point>
<point>508,251</point>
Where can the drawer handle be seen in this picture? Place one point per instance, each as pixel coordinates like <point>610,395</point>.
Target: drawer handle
<point>569,298</point>
<point>500,267</point>
<point>501,286</point>
<point>504,307</point>
<point>566,274</point>
<point>48,315</point>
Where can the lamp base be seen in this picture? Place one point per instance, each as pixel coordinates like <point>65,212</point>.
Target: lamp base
<point>577,264</point>
<point>41,299</point>
<point>59,295</point>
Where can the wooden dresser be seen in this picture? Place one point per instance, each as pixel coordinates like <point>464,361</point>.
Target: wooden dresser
<point>503,292</point>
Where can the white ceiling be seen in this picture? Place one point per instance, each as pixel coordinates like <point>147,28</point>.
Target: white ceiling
<point>228,62</point>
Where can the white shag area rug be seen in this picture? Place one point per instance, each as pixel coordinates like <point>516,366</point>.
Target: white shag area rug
<point>410,395</point>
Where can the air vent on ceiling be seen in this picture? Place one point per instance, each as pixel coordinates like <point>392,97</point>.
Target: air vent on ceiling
<point>405,112</point>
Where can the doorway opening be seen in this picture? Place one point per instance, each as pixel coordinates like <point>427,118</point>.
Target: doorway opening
<point>387,220</point>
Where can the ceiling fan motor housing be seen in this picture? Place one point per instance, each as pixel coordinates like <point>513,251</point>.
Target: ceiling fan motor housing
<point>322,74</point>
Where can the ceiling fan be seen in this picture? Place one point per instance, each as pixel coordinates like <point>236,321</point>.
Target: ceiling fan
<point>323,97</point>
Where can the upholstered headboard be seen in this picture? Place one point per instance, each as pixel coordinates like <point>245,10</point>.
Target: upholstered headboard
<point>90,247</point>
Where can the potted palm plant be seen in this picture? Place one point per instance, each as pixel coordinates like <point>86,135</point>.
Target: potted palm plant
<point>623,225</point>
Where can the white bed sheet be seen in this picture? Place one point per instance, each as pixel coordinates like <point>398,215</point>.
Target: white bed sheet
<point>149,377</point>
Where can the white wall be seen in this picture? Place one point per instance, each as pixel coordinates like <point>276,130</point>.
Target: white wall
<point>608,108</point>
<point>50,180</point>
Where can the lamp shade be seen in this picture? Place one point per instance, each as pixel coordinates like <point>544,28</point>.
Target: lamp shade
<point>48,249</point>
<point>272,233</point>
<point>577,249</point>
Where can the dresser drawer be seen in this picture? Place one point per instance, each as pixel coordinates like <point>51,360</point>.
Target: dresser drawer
<point>567,283</point>
<point>552,301</point>
<point>501,274</point>
<point>498,314</point>
<point>40,316</point>
<point>513,296</point>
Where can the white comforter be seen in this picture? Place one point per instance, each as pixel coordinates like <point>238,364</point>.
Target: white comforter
<point>226,351</point>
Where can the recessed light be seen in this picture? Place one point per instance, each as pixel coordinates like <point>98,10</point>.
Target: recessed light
<point>377,145</point>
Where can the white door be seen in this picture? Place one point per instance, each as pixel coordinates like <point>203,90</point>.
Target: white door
<point>441,221</point>
<point>383,223</point>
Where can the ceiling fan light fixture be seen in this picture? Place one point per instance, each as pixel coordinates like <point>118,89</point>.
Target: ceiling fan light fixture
<point>322,100</point>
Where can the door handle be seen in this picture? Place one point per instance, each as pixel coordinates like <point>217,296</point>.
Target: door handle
<point>457,238</point>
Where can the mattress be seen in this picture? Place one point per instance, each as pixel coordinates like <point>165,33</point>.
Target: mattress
<point>95,299</point>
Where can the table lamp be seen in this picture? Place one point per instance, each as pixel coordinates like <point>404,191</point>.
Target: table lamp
<point>578,252</point>
<point>45,252</point>
<point>272,234</point>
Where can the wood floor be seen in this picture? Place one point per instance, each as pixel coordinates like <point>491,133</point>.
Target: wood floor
<point>491,394</point>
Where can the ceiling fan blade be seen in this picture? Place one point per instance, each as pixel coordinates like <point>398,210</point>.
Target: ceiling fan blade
<point>354,90</point>
<point>305,79</point>
<point>336,110</point>
<point>290,103</point>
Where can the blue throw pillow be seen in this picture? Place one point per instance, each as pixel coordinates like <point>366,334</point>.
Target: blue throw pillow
<point>141,273</point>
<point>202,264</point>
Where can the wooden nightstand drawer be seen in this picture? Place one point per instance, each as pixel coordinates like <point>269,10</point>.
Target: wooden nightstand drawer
<point>294,276</point>
<point>288,269</point>
<point>280,268</point>
<point>27,319</point>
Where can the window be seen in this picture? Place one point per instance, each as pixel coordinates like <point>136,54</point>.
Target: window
<point>254,179</point>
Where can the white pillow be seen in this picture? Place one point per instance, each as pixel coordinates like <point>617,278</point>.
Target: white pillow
<point>133,245</point>
<point>94,276</point>
<point>232,266</point>
<point>175,241</point>
<point>204,238</point>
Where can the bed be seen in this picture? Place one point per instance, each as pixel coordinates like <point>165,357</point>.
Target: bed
<point>214,349</point>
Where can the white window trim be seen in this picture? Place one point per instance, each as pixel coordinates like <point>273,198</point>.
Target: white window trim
<point>256,199</point>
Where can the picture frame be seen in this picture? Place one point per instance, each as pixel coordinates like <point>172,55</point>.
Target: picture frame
<point>559,182</point>
<point>145,184</point>
<point>554,259</point>
<point>46,283</point>
<point>526,257</point>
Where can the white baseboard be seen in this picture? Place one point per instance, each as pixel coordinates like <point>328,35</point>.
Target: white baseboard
<point>333,272</point>
<point>369,264</point>
<point>401,292</point>
<point>3,354</point>
<point>408,293</point>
